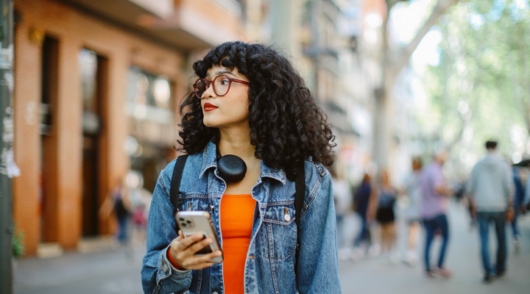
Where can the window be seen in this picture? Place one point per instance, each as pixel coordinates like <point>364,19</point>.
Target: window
<point>149,96</point>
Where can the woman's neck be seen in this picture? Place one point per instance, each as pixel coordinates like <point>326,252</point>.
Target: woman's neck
<point>237,142</point>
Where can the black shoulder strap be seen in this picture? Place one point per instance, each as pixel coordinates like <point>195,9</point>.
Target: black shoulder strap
<point>175,181</point>
<point>298,205</point>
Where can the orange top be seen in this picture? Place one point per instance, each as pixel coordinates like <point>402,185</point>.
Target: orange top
<point>237,215</point>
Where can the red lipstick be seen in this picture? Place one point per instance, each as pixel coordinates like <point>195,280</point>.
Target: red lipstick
<point>209,107</point>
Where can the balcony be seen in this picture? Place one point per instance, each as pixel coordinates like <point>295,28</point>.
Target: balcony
<point>181,24</point>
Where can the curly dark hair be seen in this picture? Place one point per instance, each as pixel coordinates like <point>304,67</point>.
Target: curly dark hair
<point>287,127</point>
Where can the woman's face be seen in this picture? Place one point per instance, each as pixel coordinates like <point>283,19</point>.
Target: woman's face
<point>229,110</point>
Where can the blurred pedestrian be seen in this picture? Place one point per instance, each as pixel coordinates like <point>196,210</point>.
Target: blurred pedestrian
<point>361,202</point>
<point>140,200</point>
<point>385,216</point>
<point>412,211</point>
<point>518,202</point>
<point>435,192</point>
<point>119,201</point>
<point>490,190</point>
<point>526,201</point>
<point>341,195</point>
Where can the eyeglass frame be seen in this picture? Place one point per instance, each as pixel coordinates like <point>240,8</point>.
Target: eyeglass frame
<point>210,83</point>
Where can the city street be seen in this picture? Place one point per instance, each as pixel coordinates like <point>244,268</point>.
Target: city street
<point>380,275</point>
<point>118,271</point>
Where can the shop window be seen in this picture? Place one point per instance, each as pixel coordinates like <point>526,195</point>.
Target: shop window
<point>149,97</point>
<point>93,73</point>
<point>88,65</point>
<point>50,57</point>
<point>48,201</point>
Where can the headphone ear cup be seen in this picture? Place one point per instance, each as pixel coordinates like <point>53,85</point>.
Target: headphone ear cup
<point>231,168</point>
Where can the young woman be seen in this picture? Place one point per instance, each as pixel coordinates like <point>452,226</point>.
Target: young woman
<point>248,101</point>
<point>385,213</point>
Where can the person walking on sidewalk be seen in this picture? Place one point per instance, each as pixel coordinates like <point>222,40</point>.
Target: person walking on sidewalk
<point>362,199</point>
<point>385,216</point>
<point>490,191</point>
<point>119,201</point>
<point>433,212</point>
<point>412,212</point>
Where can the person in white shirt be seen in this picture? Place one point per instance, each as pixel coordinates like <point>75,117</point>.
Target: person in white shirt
<point>490,188</point>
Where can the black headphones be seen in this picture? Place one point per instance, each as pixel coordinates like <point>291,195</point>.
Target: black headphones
<point>231,168</point>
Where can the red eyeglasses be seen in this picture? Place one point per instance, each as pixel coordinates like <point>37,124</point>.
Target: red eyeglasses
<point>221,85</point>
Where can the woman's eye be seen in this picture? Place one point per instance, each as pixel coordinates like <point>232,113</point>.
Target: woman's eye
<point>225,82</point>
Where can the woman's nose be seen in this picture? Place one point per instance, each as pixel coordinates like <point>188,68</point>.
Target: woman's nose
<point>209,92</point>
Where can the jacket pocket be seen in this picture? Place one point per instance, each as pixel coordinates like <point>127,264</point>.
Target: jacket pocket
<point>194,202</point>
<point>279,230</point>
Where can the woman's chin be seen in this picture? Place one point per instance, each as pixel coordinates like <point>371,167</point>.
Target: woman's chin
<point>210,124</point>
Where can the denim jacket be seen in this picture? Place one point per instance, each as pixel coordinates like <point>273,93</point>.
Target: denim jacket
<point>269,267</point>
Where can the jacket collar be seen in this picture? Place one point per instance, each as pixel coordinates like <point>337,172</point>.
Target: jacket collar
<point>209,160</point>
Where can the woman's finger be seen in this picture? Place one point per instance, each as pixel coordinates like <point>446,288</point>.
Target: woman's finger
<point>198,246</point>
<point>202,261</point>
<point>208,257</point>
<point>188,241</point>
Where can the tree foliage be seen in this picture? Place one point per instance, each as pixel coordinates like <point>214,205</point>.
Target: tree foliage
<point>481,87</point>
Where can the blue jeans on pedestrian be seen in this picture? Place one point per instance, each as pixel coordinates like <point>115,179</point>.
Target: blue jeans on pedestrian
<point>484,219</point>
<point>122,229</point>
<point>515,226</point>
<point>438,223</point>
<point>364,234</point>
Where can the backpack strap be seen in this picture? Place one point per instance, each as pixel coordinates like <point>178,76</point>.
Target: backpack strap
<point>298,205</point>
<point>175,182</point>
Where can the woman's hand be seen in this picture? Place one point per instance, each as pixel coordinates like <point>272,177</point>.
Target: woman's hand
<point>183,251</point>
<point>510,214</point>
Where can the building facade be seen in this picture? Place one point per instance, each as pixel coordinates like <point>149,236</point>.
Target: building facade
<point>97,90</point>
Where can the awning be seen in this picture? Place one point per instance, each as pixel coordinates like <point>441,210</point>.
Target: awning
<point>183,27</point>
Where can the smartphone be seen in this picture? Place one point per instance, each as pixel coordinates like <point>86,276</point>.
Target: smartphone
<point>192,222</point>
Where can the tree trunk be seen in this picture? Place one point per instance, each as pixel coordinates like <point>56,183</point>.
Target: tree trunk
<point>391,65</point>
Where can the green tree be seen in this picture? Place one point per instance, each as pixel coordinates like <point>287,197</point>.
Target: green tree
<point>482,85</point>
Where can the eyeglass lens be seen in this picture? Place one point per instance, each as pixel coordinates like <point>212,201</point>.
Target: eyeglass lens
<point>221,84</point>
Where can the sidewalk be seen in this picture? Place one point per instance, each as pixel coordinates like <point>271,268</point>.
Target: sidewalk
<point>103,272</point>
<point>118,270</point>
<point>380,275</point>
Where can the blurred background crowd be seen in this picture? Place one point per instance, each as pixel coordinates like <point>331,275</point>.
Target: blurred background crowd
<point>96,87</point>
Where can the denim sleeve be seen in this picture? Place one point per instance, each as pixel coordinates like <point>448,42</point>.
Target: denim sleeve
<point>318,270</point>
<point>158,276</point>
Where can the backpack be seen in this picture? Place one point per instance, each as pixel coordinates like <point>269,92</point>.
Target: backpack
<point>298,200</point>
